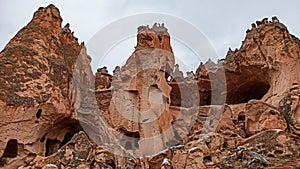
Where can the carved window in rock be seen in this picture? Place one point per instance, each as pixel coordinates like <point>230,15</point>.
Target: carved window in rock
<point>248,91</point>
<point>38,113</point>
<point>52,146</point>
<point>11,149</point>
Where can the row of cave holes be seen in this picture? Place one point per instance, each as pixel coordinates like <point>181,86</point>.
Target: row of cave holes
<point>52,145</point>
<point>11,149</point>
<point>254,90</point>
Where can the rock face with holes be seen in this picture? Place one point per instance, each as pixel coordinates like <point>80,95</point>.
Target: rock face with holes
<point>36,66</point>
<point>242,112</point>
<point>267,63</point>
<point>141,95</point>
<point>262,93</point>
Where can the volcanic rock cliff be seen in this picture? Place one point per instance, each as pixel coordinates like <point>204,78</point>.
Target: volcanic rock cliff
<point>36,89</point>
<point>242,112</point>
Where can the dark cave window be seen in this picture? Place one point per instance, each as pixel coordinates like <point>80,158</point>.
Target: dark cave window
<point>272,112</point>
<point>67,138</point>
<point>42,139</point>
<point>247,92</point>
<point>241,118</point>
<point>52,146</point>
<point>38,113</point>
<point>159,38</point>
<point>207,159</point>
<point>11,149</point>
<point>112,164</point>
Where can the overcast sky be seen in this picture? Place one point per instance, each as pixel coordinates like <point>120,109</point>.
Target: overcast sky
<point>222,22</point>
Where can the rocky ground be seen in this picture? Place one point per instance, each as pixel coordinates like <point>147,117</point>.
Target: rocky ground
<point>241,112</point>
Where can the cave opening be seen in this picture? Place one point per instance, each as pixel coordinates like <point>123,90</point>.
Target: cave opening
<point>68,136</point>
<point>159,38</point>
<point>11,149</point>
<point>236,93</point>
<point>60,135</point>
<point>42,139</point>
<point>38,113</point>
<point>246,92</point>
<point>241,118</point>
<point>52,146</point>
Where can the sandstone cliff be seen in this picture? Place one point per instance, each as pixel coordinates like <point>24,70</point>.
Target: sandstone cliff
<point>56,113</point>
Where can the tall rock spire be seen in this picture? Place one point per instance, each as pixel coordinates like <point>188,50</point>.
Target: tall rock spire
<point>141,95</point>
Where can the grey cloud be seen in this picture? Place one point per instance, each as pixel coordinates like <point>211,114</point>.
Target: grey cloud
<point>223,22</point>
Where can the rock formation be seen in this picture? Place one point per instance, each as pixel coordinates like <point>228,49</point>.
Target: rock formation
<point>141,95</point>
<point>57,114</point>
<point>36,89</point>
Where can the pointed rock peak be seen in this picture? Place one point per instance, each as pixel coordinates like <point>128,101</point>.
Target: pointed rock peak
<point>48,21</point>
<point>49,11</point>
<point>66,28</point>
<point>48,16</point>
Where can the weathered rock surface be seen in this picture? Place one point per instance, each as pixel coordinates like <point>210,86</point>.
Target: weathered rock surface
<point>141,95</point>
<point>249,119</point>
<point>36,89</point>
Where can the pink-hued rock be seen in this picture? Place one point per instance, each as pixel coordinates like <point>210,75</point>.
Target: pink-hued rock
<point>36,69</point>
<point>242,112</point>
<point>141,95</point>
